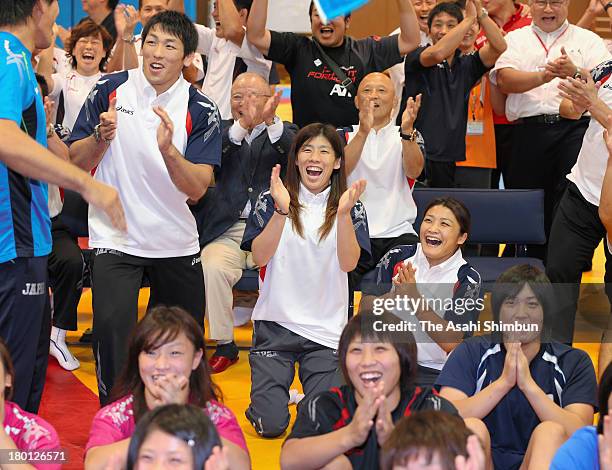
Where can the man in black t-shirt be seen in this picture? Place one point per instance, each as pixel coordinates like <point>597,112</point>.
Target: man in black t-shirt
<point>317,92</point>
<point>444,78</point>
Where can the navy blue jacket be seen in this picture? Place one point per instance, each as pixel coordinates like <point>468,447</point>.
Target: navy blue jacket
<point>244,173</point>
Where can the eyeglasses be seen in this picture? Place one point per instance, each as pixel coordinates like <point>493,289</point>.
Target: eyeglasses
<point>552,3</point>
<point>238,98</point>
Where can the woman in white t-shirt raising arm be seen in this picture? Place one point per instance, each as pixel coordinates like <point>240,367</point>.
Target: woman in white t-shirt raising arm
<point>306,236</point>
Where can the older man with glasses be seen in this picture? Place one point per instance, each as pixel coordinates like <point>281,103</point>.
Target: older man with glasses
<point>253,143</point>
<point>545,143</point>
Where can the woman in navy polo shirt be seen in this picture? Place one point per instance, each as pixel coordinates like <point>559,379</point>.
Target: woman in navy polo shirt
<point>436,270</point>
<point>306,236</point>
<point>531,392</point>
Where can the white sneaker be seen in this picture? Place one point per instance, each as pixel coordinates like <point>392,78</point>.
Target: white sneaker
<point>63,355</point>
<point>295,396</point>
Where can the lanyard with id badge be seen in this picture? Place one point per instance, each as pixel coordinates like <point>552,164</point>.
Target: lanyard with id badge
<point>475,125</point>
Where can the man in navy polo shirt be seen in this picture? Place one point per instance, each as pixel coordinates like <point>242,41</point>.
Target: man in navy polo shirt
<point>157,138</point>
<point>444,78</point>
<point>25,233</point>
<point>532,393</point>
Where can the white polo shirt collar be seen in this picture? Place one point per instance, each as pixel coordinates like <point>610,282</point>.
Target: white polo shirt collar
<point>445,272</point>
<point>150,94</point>
<point>313,199</point>
<point>553,35</point>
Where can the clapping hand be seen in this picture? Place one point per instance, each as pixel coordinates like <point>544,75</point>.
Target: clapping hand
<point>410,113</point>
<point>351,196</point>
<point>269,109</point>
<point>165,131</point>
<point>278,191</point>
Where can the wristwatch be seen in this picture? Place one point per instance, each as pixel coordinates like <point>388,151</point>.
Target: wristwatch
<point>607,5</point>
<point>483,13</point>
<point>98,136</point>
<point>409,137</point>
<point>50,131</point>
<point>578,74</point>
<point>131,40</point>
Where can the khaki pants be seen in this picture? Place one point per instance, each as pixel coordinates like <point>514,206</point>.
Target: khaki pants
<point>222,263</point>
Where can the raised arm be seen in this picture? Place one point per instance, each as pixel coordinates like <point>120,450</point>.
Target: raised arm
<point>353,149</point>
<point>409,37</point>
<point>580,96</point>
<point>496,44</point>
<point>257,34</point>
<point>412,156</point>
<point>231,21</point>
<point>348,248</point>
<point>265,244</point>
<point>447,46</point>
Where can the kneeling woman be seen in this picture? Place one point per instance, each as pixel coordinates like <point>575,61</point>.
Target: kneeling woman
<point>444,287</point>
<point>166,365</point>
<point>346,426</point>
<point>307,236</point>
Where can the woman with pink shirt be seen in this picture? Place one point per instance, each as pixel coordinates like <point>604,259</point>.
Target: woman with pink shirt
<point>28,434</point>
<point>165,365</point>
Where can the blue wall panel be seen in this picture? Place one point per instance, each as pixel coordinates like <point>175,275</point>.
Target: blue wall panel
<point>71,11</point>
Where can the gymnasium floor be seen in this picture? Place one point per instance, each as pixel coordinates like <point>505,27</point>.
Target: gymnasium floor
<point>70,399</point>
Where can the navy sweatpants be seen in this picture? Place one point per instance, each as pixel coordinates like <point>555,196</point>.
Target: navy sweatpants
<point>23,294</point>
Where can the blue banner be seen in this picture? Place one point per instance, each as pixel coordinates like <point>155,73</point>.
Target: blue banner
<point>330,9</point>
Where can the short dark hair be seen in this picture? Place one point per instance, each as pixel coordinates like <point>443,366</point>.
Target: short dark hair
<point>362,325</point>
<point>513,280</point>
<point>451,9</point>
<point>112,4</point>
<point>311,7</point>
<point>185,422</point>
<point>17,12</point>
<point>176,24</point>
<point>85,29</point>
<point>7,363</point>
<point>426,433</point>
<point>461,213</point>
<point>605,388</point>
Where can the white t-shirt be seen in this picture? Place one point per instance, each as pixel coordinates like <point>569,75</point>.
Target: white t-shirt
<point>61,62</point>
<point>160,224</point>
<point>588,172</point>
<point>388,194</point>
<point>525,52</point>
<point>75,88</point>
<point>305,267</point>
<point>222,55</point>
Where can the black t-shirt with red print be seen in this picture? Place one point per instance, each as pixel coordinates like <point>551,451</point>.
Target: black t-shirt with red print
<point>316,92</point>
<point>334,409</point>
